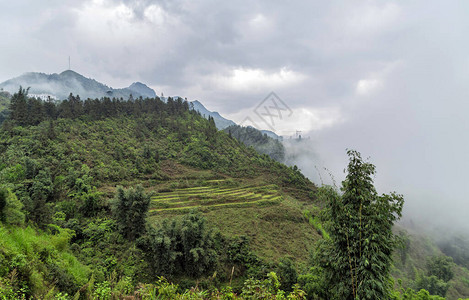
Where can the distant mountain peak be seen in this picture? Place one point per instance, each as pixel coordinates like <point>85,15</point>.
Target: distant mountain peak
<point>220,122</point>
<point>70,72</point>
<point>69,81</point>
<point>143,89</point>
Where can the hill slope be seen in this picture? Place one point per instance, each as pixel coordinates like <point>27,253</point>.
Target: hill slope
<point>65,171</point>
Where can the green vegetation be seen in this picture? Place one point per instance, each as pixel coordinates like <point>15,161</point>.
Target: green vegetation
<point>35,263</point>
<point>263,144</point>
<point>356,259</point>
<point>213,197</point>
<point>62,163</point>
<point>4,104</point>
<point>101,198</point>
<point>130,209</point>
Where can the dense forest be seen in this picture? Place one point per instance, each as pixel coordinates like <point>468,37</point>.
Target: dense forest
<point>145,199</point>
<point>262,143</point>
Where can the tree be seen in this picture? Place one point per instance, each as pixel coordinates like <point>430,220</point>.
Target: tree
<point>130,209</point>
<point>432,284</point>
<point>287,273</point>
<point>19,106</point>
<point>198,245</point>
<point>356,259</point>
<point>40,193</point>
<point>182,246</point>
<point>441,266</point>
<point>10,208</point>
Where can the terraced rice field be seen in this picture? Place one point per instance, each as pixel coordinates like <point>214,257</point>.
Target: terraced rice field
<point>214,195</point>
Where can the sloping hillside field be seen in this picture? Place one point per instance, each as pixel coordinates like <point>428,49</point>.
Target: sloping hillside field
<point>214,194</point>
<point>269,216</point>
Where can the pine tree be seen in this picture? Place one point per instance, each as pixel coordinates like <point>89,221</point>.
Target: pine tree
<point>19,106</point>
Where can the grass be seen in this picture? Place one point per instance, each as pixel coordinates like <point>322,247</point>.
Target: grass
<point>215,196</point>
<point>271,219</point>
<point>30,249</point>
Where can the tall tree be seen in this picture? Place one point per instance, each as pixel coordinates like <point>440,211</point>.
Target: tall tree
<point>130,209</point>
<point>356,259</point>
<point>19,106</point>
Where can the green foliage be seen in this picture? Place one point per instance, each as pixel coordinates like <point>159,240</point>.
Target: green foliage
<point>456,247</point>
<point>19,106</point>
<point>287,273</point>
<point>102,291</point>
<point>313,283</point>
<point>243,259</point>
<point>432,284</point>
<point>3,203</point>
<point>40,192</point>
<point>182,247</point>
<point>269,289</point>
<point>441,266</point>
<point>11,214</point>
<point>357,258</point>
<point>263,144</point>
<point>410,294</point>
<point>439,273</point>
<point>266,289</point>
<point>316,223</point>
<point>33,262</point>
<point>130,209</point>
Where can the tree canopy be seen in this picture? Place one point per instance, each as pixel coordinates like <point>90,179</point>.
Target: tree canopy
<point>357,257</point>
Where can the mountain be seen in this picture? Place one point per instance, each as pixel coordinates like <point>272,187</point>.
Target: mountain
<point>59,86</point>
<point>220,122</point>
<point>142,89</point>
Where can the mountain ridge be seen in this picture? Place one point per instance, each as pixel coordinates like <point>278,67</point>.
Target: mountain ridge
<point>59,86</point>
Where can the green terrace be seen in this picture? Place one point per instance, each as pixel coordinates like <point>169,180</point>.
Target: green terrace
<point>215,194</point>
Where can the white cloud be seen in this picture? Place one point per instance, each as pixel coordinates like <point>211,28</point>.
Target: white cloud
<point>375,82</point>
<point>156,15</point>
<point>243,79</point>
<point>365,87</point>
<point>372,19</point>
<point>305,119</point>
<point>259,24</point>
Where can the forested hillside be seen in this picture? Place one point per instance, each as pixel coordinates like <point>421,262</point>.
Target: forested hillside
<point>105,199</point>
<point>60,165</point>
<point>263,143</point>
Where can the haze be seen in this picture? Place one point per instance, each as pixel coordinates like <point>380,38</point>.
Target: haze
<point>387,78</point>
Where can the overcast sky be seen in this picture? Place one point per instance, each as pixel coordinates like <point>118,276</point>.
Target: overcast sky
<point>388,78</point>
